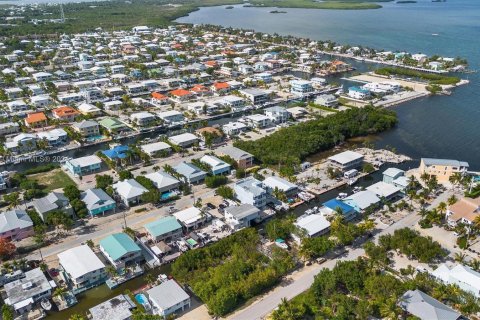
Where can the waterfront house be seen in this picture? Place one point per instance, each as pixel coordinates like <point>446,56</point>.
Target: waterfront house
<point>143,119</point>
<point>65,113</point>
<point>301,87</point>
<point>89,109</point>
<point>164,182</point>
<point>164,229</point>
<point>9,128</point>
<point>218,167</point>
<point>312,225</point>
<point>238,217</point>
<point>168,298</point>
<point>15,225</point>
<point>443,169</point>
<point>156,149</point>
<point>255,96</point>
<point>23,142</point>
<point>81,269</point>
<point>116,153</point>
<point>191,174</point>
<point>358,93</point>
<point>234,128</point>
<point>362,200</point>
<point>190,218</point>
<point>184,140</point>
<point>172,117</point>
<point>97,201</point>
<point>242,158</point>
<point>385,191</point>
<point>55,137</point>
<point>17,106</point>
<point>258,121</point>
<point>129,191</point>
<point>120,250</point>
<point>87,128</point>
<point>273,183</point>
<point>158,99</point>
<point>36,120</point>
<point>52,202</point>
<point>346,160</point>
<point>41,101</point>
<point>277,114</point>
<point>327,100</point>
<point>113,125</point>
<point>251,191</point>
<point>396,177</point>
<point>181,95</point>
<point>464,211</point>
<point>460,275</point>
<point>24,293</point>
<point>84,165</point>
<point>116,308</point>
<point>424,307</point>
<point>334,206</point>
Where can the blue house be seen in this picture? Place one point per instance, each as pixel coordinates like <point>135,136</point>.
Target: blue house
<point>97,201</point>
<point>117,152</point>
<point>120,250</point>
<point>84,165</point>
<point>332,206</point>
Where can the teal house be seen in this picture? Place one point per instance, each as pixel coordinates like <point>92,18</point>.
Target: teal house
<point>97,202</point>
<point>120,250</point>
<point>164,229</point>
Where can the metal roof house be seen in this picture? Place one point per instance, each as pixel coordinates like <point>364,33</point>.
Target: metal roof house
<point>163,181</point>
<point>238,217</point>
<point>190,172</point>
<point>168,298</point>
<point>218,166</point>
<point>81,268</point>
<point>313,225</point>
<point>243,158</point>
<point>84,165</point>
<point>190,218</point>
<point>23,293</point>
<point>130,191</point>
<point>164,229</point>
<point>51,202</point>
<point>97,201</point>
<point>283,185</point>
<point>156,148</point>
<point>117,308</point>
<point>463,276</point>
<point>184,140</point>
<point>120,250</point>
<point>15,225</point>
<point>424,307</point>
<point>362,200</point>
<point>332,206</point>
<point>251,191</point>
<point>347,160</point>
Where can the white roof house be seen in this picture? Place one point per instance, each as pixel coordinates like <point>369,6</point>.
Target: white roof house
<point>184,139</point>
<point>163,181</point>
<point>362,200</point>
<point>168,298</point>
<point>129,190</point>
<point>347,160</point>
<point>80,261</point>
<point>190,217</point>
<point>313,224</point>
<point>218,166</point>
<point>153,148</point>
<point>280,183</point>
<point>463,276</point>
<point>384,190</point>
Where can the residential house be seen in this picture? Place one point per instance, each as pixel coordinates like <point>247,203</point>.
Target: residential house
<point>347,160</point>
<point>334,206</point>
<point>89,109</point>
<point>396,177</point>
<point>360,201</point>
<point>258,121</point>
<point>168,298</point>
<point>191,174</point>
<point>120,250</point>
<point>24,293</point>
<point>327,100</point>
<point>312,225</point>
<point>255,96</point>
<point>159,99</point>
<point>113,125</point>
<point>301,87</point>
<point>443,169</point>
<point>87,128</point>
<point>81,269</point>
<point>164,182</point>
<point>277,114</point>
<point>184,140</point>
<point>234,128</point>
<point>97,201</point>
<point>210,135</point>
<point>143,119</point>
<point>385,191</point>
<point>218,167</point>
<point>9,128</point>
<point>116,308</point>
<point>15,225</point>
<point>164,229</point>
<point>251,191</point>
<point>424,307</point>
<point>460,275</point>
<point>24,142</point>
<point>156,149</point>
<point>181,95</point>
<point>84,165</point>
<point>242,158</point>
<point>273,183</point>
<point>238,217</point>
<point>172,117</point>
<point>36,120</point>
<point>358,93</point>
<point>54,201</point>
<point>129,191</point>
<point>65,113</point>
<point>54,137</point>
<point>464,211</point>
<point>190,218</point>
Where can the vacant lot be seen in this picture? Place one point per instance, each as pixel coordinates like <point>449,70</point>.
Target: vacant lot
<point>55,179</point>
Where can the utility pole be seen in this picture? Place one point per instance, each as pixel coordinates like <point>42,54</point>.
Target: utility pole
<point>62,14</point>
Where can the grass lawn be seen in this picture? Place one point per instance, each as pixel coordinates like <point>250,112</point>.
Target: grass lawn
<point>52,180</point>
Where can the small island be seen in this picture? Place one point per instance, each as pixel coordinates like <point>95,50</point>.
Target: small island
<point>277,11</point>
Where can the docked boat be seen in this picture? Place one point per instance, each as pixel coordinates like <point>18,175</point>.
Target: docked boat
<point>46,305</point>
<point>352,181</point>
<point>357,189</point>
<point>341,196</point>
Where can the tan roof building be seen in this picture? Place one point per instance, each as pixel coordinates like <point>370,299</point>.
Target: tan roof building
<point>463,211</point>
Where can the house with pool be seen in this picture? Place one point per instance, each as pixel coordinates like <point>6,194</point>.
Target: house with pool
<point>84,165</point>
<point>97,202</point>
<point>166,184</point>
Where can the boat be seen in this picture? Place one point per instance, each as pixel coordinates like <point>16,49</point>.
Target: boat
<point>434,34</point>
<point>341,196</point>
<point>357,189</point>
<point>46,305</point>
<point>352,181</point>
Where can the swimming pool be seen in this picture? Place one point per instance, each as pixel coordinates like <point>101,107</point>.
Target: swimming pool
<point>141,298</point>
<point>95,138</point>
<point>167,195</point>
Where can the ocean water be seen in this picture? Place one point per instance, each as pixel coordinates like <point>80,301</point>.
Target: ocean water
<point>440,126</point>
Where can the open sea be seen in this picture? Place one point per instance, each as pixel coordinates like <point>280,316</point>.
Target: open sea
<point>440,126</point>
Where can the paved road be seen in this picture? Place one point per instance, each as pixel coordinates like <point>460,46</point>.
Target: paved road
<point>303,279</point>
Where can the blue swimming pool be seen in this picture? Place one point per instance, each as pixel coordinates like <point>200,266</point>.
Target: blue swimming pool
<point>141,298</point>
<point>167,195</point>
<point>95,138</point>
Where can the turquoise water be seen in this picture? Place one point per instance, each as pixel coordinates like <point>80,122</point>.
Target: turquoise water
<point>167,195</point>
<point>95,138</point>
<point>444,127</point>
<point>141,298</point>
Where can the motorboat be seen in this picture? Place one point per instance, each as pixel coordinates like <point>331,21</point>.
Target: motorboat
<point>46,305</point>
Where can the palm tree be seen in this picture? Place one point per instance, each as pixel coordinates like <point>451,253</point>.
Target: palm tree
<point>59,292</point>
<point>76,316</point>
<point>475,264</point>
<point>460,257</point>
<point>111,271</point>
<point>442,207</point>
<point>389,309</point>
<point>452,200</point>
